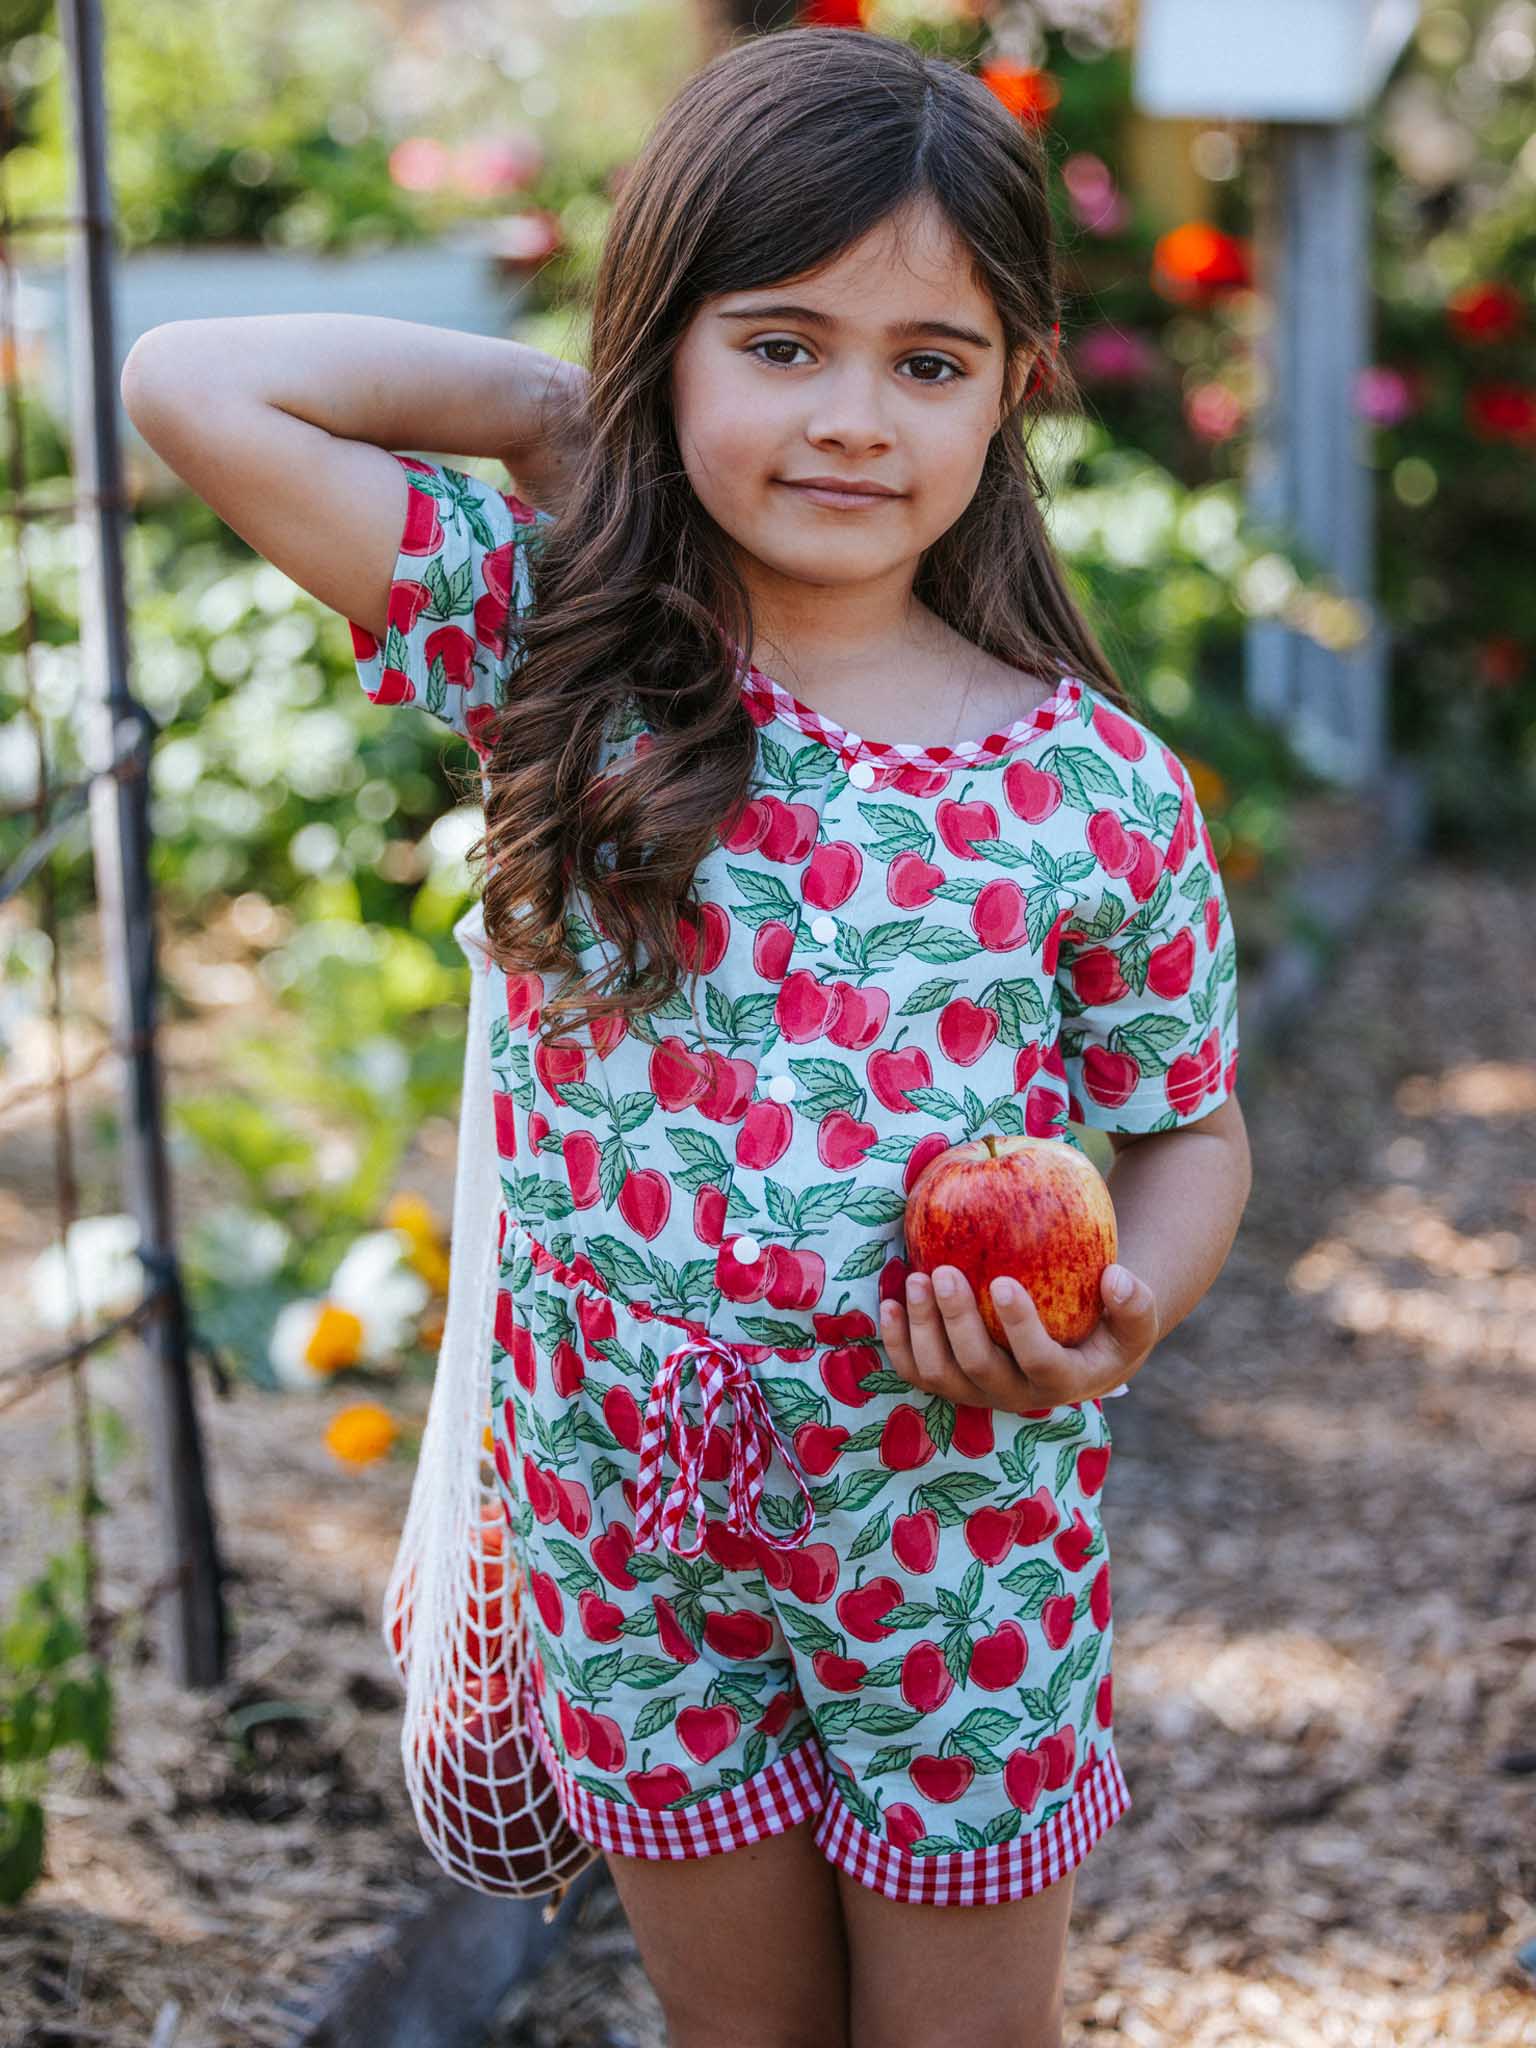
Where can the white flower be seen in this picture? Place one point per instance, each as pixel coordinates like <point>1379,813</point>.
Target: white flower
<point>376,1284</point>
<point>236,1245</point>
<point>96,1266</point>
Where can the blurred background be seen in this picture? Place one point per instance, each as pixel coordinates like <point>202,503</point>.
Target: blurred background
<point>205,1861</point>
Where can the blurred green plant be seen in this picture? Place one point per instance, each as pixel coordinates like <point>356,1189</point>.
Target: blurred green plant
<point>53,1695</point>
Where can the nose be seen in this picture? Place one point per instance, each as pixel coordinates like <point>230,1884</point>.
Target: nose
<point>848,409</point>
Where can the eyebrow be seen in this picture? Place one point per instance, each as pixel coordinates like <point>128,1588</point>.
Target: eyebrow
<point>897,329</point>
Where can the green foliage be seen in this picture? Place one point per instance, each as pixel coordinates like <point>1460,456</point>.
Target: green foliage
<point>53,1695</point>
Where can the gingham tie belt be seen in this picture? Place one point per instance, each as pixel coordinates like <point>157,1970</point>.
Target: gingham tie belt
<point>754,1439</point>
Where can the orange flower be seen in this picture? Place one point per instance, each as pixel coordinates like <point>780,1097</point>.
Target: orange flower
<point>360,1434</point>
<point>1024,89</point>
<point>1241,861</point>
<point>1198,260</point>
<point>1209,784</point>
<point>336,1339</point>
<point>412,1214</point>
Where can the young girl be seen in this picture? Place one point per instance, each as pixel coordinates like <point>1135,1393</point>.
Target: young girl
<point>820,838</point>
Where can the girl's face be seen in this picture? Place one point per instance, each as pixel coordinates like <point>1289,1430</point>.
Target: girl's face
<point>885,367</point>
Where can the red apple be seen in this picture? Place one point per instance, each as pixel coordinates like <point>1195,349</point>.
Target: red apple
<point>1035,1209</point>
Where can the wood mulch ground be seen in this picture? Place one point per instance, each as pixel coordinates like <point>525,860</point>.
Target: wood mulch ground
<point>1322,1515</point>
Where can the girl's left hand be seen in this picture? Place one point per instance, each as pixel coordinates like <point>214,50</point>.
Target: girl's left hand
<point>940,1345</point>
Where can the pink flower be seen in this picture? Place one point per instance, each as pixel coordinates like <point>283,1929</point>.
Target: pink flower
<point>418,164</point>
<point>1091,190</point>
<point>1385,396</point>
<point>1109,355</point>
<point>1213,412</point>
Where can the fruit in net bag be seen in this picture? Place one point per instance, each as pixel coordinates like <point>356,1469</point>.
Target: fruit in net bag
<point>493,1596</point>
<point>487,1793</point>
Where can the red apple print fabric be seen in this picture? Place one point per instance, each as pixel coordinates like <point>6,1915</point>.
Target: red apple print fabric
<point>461,582</point>
<point>770,1581</point>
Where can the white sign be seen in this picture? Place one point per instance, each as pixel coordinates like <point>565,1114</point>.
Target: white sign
<point>1267,60</point>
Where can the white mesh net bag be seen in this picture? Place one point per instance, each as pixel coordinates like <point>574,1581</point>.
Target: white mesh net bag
<point>454,1618</point>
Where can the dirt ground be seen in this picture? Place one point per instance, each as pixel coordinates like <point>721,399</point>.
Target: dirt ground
<point>1322,1515</point>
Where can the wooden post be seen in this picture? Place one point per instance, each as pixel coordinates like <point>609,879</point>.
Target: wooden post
<point>192,1619</point>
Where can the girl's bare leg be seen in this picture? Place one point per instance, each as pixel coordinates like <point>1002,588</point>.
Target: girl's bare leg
<point>745,1949</point>
<point>957,1976</point>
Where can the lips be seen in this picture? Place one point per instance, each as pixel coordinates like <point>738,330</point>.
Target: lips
<point>832,489</point>
<point>842,498</point>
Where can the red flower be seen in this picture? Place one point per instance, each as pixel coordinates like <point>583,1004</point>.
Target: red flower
<point>832,13</point>
<point>1485,312</point>
<point>1198,260</point>
<point>1501,661</point>
<point>1502,412</point>
<point>1024,89</point>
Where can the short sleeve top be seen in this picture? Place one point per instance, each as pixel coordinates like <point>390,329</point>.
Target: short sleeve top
<point>902,947</point>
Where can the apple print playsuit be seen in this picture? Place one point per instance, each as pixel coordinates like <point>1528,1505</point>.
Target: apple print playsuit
<point>771,1581</point>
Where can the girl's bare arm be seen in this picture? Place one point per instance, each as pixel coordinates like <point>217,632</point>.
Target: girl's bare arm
<point>283,422</point>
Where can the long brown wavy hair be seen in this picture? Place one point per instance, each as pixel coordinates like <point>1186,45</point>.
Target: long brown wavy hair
<point>749,177</point>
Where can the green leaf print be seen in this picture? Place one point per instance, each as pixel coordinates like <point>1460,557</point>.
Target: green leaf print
<point>1058,1686</point>
<point>630,1111</point>
<point>809,1634</point>
<point>937,943</point>
<point>868,1258</point>
<point>790,1402</point>
<point>575,1572</point>
<point>874,1534</point>
<point>948,1494</point>
<point>1089,1650</point>
<point>874,1206</point>
<point>882,1677</point>
<point>655,1715</point>
<point>598,1673</point>
<point>939,1421</point>
<point>762,897</point>
<point>646,1672</point>
<point>835,1718</point>
<point>928,995</point>
<point>910,1614</point>
<point>1035,1582</point>
<point>701,1155</point>
<point>957,1651</point>
<point>877,1717</point>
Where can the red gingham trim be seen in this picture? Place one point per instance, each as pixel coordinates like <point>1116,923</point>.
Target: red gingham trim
<point>773,700</point>
<point>979,1877</point>
<point>792,1790</point>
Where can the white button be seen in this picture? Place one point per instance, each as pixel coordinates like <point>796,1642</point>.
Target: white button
<point>824,929</point>
<point>860,774</point>
<point>747,1249</point>
<point>782,1087</point>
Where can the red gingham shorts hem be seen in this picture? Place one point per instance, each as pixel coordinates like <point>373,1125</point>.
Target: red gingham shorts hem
<point>787,1792</point>
<point>980,1877</point>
